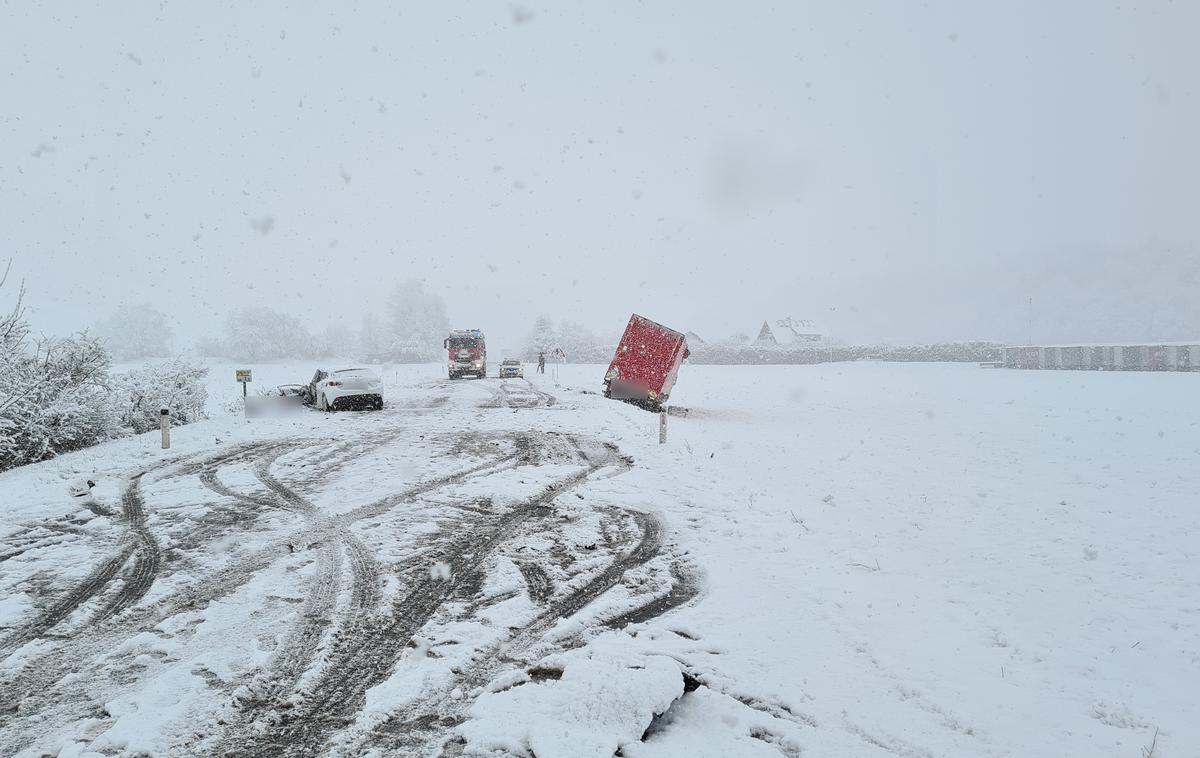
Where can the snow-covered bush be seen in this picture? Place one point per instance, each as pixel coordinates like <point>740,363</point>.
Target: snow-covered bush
<point>74,420</point>
<point>134,332</point>
<point>177,385</point>
<point>54,394</point>
<point>732,354</point>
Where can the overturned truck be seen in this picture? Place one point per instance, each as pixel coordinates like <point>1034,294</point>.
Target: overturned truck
<point>646,364</point>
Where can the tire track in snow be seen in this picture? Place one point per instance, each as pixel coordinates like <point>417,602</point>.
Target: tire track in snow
<point>506,395</point>
<point>416,729</point>
<point>539,585</point>
<point>135,539</point>
<point>149,556</point>
<point>37,685</point>
<point>684,588</point>
<point>368,656</point>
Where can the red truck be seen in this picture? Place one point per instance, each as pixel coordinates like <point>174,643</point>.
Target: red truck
<point>644,369</point>
<point>466,353</point>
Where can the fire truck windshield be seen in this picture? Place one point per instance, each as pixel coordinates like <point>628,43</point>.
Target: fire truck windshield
<point>462,343</point>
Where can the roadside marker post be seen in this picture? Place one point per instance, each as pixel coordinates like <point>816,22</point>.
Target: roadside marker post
<point>662,427</point>
<point>164,422</point>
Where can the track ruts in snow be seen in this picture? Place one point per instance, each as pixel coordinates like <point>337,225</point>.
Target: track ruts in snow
<point>135,539</point>
<point>148,560</point>
<point>416,729</point>
<point>361,660</point>
<point>539,585</point>
<point>36,685</point>
<point>525,396</point>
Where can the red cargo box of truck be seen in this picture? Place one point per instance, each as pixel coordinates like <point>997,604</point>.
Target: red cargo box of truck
<point>644,369</point>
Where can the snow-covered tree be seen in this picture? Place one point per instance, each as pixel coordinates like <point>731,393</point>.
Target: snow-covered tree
<point>336,340</point>
<point>260,333</point>
<point>210,347</point>
<point>582,345</point>
<point>542,338</point>
<point>14,330</point>
<point>416,317</point>
<point>135,331</point>
<point>54,394</point>
<point>371,336</point>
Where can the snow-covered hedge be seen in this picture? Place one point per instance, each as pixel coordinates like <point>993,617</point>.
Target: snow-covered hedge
<point>57,395</point>
<point>54,396</point>
<point>581,345</point>
<point>61,397</point>
<point>177,385</point>
<point>789,354</point>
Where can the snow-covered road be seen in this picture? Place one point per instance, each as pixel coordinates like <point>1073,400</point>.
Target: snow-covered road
<point>866,560</point>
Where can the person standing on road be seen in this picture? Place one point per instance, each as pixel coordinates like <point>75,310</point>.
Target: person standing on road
<point>541,363</point>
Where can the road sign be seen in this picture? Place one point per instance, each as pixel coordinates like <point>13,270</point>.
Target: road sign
<point>243,377</point>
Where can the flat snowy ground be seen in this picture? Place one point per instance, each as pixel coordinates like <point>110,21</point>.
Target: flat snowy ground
<point>843,560</point>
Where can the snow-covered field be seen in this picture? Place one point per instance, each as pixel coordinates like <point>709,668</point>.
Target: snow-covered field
<point>841,560</point>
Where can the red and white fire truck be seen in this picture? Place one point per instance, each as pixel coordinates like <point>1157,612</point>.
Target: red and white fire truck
<point>466,353</point>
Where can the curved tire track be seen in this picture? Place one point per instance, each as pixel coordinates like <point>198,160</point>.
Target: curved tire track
<point>149,557</point>
<point>368,656</point>
<point>37,685</point>
<point>366,641</point>
<point>135,539</point>
<point>416,729</point>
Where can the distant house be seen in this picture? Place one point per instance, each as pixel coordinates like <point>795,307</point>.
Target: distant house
<point>803,330</point>
<point>694,339</point>
<point>765,338</point>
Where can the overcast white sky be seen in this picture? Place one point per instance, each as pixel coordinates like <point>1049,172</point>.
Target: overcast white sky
<point>897,171</point>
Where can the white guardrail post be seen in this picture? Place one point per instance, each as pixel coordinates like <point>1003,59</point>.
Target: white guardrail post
<point>662,426</point>
<point>164,421</point>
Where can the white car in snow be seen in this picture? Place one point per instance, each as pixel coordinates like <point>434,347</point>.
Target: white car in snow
<point>346,388</point>
<point>511,368</point>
